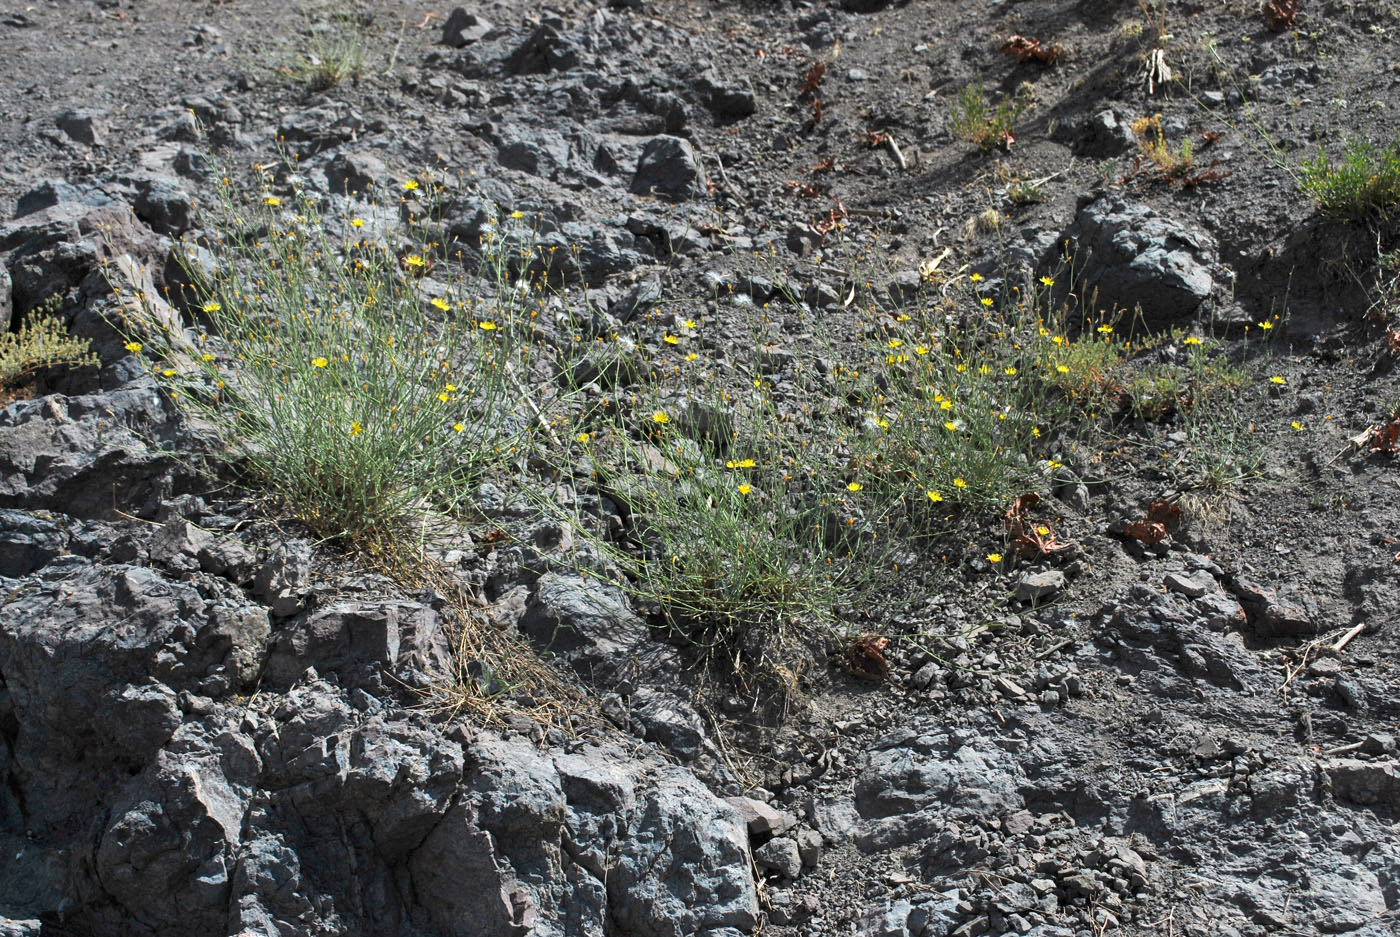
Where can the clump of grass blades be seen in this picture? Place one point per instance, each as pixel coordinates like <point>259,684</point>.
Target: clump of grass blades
<point>329,374</point>
<point>1364,184</point>
<point>337,53</point>
<point>977,121</point>
<point>747,539</point>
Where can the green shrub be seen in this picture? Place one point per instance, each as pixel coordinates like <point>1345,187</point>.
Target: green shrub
<point>975,120</point>
<point>1366,183</point>
<point>41,342</point>
<point>333,375</point>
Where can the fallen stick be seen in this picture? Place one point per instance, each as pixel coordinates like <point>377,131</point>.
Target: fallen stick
<point>899,157</point>
<point>1345,639</point>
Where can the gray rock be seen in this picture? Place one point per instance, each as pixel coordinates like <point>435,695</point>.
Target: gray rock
<point>352,173</point>
<point>1137,257</point>
<point>667,167</point>
<point>1148,627</point>
<point>1104,135</point>
<point>463,28</point>
<point>1285,611</point>
<point>345,635</point>
<point>761,819</point>
<point>283,581</point>
<point>730,99</point>
<point>1193,587</point>
<point>588,623</point>
<point>1035,587</point>
<point>30,540</point>
<point>84,125</point>
<point>780,855</point>
<point>539,152</point>
<point>809,847</point>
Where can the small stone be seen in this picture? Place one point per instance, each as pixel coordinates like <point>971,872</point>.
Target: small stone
<point>1378,743</point>
<point>761,818</point>
<point>780,855</point>
<point>1193,587</point>
<point>809,847</point>
<point>1035,587</point>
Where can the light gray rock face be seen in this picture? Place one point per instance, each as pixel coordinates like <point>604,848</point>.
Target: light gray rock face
<point>668,167</point>
<point>1137,257</point>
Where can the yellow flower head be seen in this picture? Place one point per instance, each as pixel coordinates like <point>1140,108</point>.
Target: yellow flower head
<point>1047,281</point>
<point>414,260</point>
<point>440,303</point>
<point>1190,340</point>
<point>689,323</point>
<point>976,278</point>
<point>660,416</point>
<point>449,387</point>
<point>1062,368</point>
<point>920,349</point>
<point>740,463</point>
<point>1009,370</point>
<point>133,347</point>
<point>212,306</point>
<point>1277,380</point>
<point>934,496</point>
<point>355,429</point>
<point>671,340</point>
<point>319,362</point>
<point>272,200</point>
<point>1043,530</point>
<point>950,426</point>
<point>1266,325</point>
<point>168,372</point>
<point>582,437</point>
<point>443,397</point>
<point>854,486</point>
<point>459,426</point>
<point>959,483</point>
<point>1298,426</point>
<point>946,404</point>
<point>986,300</point>
<point>692,356</point>
<point>894,343</point>
<point>357,222</point>
<point>411,185</point>
<point>486,326</point>
<point>517,215</point>
<point>1105,329</point>
<point>993,557</point>
<point>206,357</point>
<point>745,489</point>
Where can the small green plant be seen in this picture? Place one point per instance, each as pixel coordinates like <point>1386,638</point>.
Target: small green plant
<point>336,54</point>
<point>975,120</point>
<point>41,342</point>
<point>336,380</point>
<point>1364,184</point>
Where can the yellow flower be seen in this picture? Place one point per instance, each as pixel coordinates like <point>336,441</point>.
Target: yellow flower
<point>168,372</point>
<point>486,326</point>
<point>854,486</point>
<point>1277,380</point>
<point>689,323</point>
<point>740,463</point>
<point>950,426</point>
<point>692,356</point>
<point>1062,368</point>
<point>355,429</point>
<point>946,405</point>
<point>1298,426</point>
<point>1266,324</point>
<point>1105,329</point>
<point>882,422</point>
<point>934,496</point>
<point>993,557</point>
<point>459,426</point>
<point>660,417</point>
<point>894,343</point>
<point>449,387</point>
<point>440,303</point>
<point>744,489</point>
<point>206,357</point>
<point>517,215</point>
<point>1009,370</point>
<point>985,369</point>
<point>319,362</point>
<point>976,278</point>
<point>133,347</point>
<point>986,300</point>
<point>902,317</point>
<point>1043,530</point>
<point>212,306</point>
<point>1035,431</point>
<point>1190,340</point>
<point>582,437</point>
<point>671,340</point>
<point>920,349</point>
<point>413,260</point>
<point>1058,339</point>
<point>1053,464</point>
<point>959,483</point>
<point>443,397</point>
<point>411,185</point>
<point>1048,281</point>
<point>272,200</point>
<point>357,222</point>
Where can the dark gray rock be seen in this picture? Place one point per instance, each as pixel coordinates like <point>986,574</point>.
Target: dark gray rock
<point>1191,586</point>
<point>29,540</point>
<point>344,636</point>
<point>283,581</point>
<point>539,152</point>
<point>761,818</point>
<point>668,167</point>
<point>780,855</point>
<point>1149,629</point>
<point>1137,257</point>
<point>1284,611</point>
<point>728,98</point>
<point>588,623</point>
<point>463,28</point>
<point>1104,135</point>
<point>84,125</point>
<point>354,172</point>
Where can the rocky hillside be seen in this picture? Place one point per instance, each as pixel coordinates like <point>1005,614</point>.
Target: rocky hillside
<point>663,469</point>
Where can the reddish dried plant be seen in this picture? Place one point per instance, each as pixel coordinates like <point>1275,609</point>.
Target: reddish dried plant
<point>1027,49</point>
<point>1162,517</point>
<point>1280,15</point>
